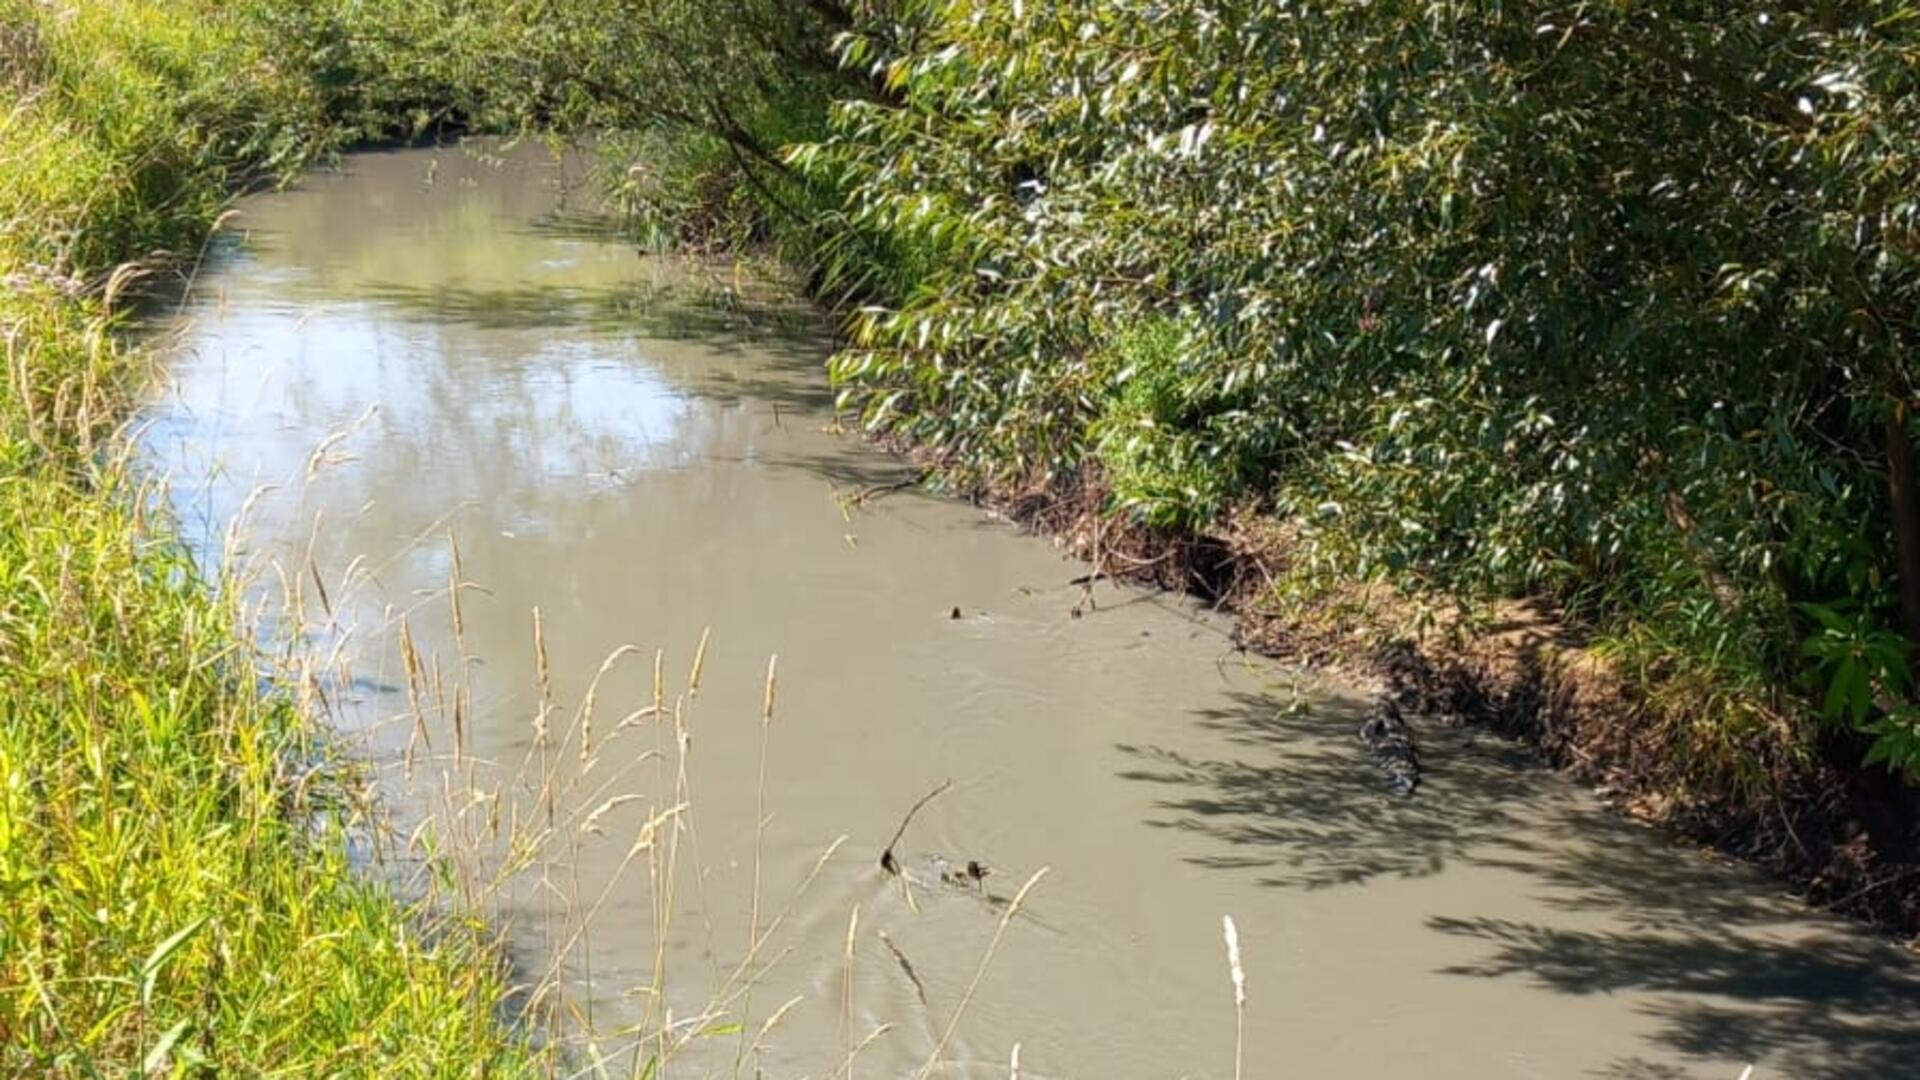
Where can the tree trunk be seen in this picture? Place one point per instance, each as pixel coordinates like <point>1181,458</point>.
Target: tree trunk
<point>1906,526</point>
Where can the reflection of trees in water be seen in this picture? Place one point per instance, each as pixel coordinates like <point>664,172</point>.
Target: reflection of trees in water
<point>460,392</point>
<point>1308,811</point>
<point>688,309</point>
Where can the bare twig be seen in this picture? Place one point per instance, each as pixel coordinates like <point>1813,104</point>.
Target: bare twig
<point>887,861</point>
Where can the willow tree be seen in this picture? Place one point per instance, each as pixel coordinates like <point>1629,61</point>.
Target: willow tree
<point>1613,302</point>
<point>700,95</point>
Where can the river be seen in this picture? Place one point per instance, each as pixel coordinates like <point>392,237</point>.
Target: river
<point>433,372</point>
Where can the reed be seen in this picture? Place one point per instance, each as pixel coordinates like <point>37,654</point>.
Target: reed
<point>846,988</point>
<point>973,985</point>
<point>571,785</point>
<point>1239,976</point>
<point>177,843</point>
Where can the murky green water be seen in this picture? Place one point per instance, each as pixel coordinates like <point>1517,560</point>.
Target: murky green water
<point>432,348</point>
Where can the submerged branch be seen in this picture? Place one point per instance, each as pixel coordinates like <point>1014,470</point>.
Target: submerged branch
<point>887,861</point>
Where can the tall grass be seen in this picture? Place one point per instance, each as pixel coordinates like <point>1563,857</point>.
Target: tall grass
<point>175,832</point>
<point>184,883</point>
<point>175,889</point>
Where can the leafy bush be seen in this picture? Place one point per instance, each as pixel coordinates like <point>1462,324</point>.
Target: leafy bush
<point>1610,303</point>
<point>1152,437</point>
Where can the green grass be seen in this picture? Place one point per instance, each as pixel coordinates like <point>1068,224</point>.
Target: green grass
<point>166,901</point>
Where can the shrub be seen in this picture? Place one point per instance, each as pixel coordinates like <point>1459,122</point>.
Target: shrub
<point>1613,304</point>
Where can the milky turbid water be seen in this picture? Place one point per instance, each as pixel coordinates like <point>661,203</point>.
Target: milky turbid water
<point>434,351</point>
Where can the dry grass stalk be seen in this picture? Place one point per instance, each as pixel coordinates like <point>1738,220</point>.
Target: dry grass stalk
<point>699,664</point>
<point>846,987</point>
<point>846,1066</point>
<point>993,946</point>
<point>1239,975</point>
<point>759,829</point>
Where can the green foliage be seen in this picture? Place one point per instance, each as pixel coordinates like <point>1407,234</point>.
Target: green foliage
<point>1609,303</point>
<point>366,70</point>
<point>693,99</point>
<point>1868,683</point>
<point>1159,453</point>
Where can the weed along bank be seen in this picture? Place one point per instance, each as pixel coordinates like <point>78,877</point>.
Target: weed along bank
<point>742,539</point>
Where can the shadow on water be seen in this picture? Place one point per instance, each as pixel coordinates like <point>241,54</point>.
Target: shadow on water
<point>855,478</point>
<point>789,344</point>
<point>1833,1006</point>
<point>582,225</point>
<point>1747,975</point>
<point>664,312</point>
<point>798,386</point>
<point>1315,815</point>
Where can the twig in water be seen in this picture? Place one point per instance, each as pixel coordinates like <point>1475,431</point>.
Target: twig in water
<point>1869,887</point>
<point>887,861</point>
<point>919,988</point>
<point>869,492</point>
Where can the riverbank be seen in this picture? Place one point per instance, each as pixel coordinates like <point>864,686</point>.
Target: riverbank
<point>661,460</point>
<point>1356,335</point>
<point>174,871</point>
<point>1838,835</point>
<point>1343,331</point>
<point>174,902</point>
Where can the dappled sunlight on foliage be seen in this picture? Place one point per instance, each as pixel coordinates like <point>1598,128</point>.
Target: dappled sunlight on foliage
<point>1609,304</point>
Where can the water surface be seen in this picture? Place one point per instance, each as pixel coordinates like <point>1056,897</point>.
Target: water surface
<point>432,365</point>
